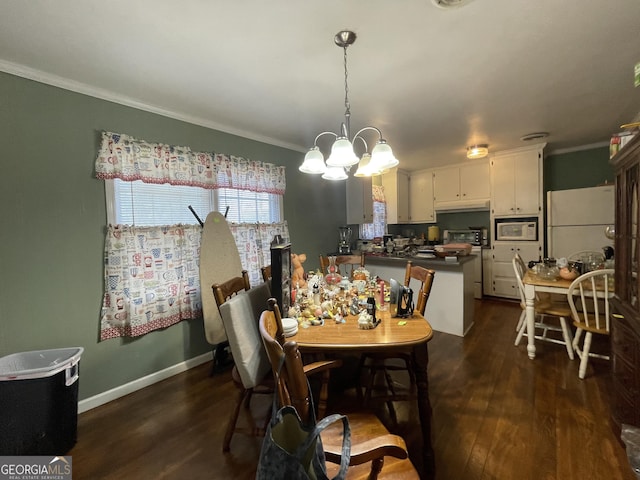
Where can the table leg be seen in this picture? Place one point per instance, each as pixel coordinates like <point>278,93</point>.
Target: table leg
<point>530,297</point>
<point>420,362</point>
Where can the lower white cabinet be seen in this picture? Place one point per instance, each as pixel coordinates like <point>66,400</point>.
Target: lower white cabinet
<point>503,278</point>
<point>487,269</point>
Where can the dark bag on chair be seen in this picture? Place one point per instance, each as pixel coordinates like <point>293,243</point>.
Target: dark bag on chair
<point>292,450</point>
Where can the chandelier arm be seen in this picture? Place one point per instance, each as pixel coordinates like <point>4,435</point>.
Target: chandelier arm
<point>315,142</point>
<point>366,147</point>
<point>369,128</point>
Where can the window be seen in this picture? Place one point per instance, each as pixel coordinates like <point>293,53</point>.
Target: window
<point>249,207</point>
<point>139,203</point>
<point>368,231</point>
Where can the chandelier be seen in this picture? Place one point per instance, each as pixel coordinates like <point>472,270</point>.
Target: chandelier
<point>343,155</point>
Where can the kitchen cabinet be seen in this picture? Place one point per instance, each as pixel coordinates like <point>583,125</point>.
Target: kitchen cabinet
<point>359,200</point>
<point>421,197</point>
<point>487,271</point>
<point>503,278</point>
<point>466,185</point>
<point>396,194</point>
<point>516,181</point>
<point>625,324</point>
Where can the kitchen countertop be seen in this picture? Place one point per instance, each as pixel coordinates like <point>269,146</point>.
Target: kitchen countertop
<point>451,303</point>
<point>432,263</point>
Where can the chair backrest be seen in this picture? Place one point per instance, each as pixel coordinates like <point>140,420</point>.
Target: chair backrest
<point>343,262</point>
<point>588,298</point>
<point>224,291</point>
<point>583,254</point>
<point>519,268</point>
<point>240,315</point>
<point>292,385</point>
<point>425,277</point>
<point>266,273</point>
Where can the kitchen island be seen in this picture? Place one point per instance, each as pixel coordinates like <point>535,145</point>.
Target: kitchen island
<point>450,305</point>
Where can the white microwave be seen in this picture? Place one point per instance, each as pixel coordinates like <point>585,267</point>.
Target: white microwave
<point>516,229</point>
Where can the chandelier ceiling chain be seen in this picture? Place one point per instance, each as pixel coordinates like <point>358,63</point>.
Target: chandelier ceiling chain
<point>347,105</point>
<point>343,156</point>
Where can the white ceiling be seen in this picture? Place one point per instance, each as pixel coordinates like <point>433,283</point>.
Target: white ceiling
<point>433,80</point>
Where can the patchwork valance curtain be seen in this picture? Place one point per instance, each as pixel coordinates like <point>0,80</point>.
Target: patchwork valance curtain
<point>129,159</point>
<point>378,193</point>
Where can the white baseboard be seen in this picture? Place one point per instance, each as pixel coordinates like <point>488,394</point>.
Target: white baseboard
<point>127,388</point>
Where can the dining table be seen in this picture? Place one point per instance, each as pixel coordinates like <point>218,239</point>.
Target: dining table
<point>534,284</point>
<point>391,335</point>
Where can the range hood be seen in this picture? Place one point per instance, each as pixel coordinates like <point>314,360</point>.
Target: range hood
<point>463,206</point>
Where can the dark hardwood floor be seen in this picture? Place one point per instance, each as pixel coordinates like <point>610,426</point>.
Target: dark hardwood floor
<point>496,415</point>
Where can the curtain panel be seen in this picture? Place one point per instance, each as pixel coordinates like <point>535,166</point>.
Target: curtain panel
<point>254,245</point>
<point>152,273</point>
<point>130,159</point>
<point>151,278</point>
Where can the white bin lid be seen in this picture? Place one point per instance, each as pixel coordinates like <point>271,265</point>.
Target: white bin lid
<point>38,363</point>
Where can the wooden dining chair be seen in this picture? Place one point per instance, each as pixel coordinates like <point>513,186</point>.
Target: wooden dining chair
<point>266,273</point>
<point>385,363</point>
<point>240,308</point>
<point>375,453</point>
<point>225,291</point>
<point>588,297</point>
<point>346,264</point>
<point>547,310</point>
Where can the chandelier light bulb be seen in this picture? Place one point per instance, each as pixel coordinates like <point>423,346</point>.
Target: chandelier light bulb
<point>382,158</point>
<point>365,168</point>
<point>342,154</point>
<point>313,162</point>
<point>335,173</point>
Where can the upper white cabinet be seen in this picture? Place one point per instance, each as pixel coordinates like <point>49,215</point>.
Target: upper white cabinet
<point>359,200</point>
<point>421,197</point>
<point>396,194</point>
<point>462,186</point>
<point>516,180</point>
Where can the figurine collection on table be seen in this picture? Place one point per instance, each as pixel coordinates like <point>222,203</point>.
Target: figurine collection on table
<point>331,297</point>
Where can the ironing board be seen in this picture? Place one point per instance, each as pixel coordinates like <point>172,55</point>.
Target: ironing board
<point>219,261</point>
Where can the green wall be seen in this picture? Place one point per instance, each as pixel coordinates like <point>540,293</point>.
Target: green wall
<point>54,218</point>
<point>580,169</point>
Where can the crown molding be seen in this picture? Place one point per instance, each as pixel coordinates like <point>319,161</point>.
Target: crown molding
<point>590,146</point>
<point>84,89</point>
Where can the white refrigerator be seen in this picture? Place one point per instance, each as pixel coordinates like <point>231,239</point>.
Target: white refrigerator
<point>577,219</point>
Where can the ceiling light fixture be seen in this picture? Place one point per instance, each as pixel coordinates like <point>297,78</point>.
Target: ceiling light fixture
<point>478,151</point>
<point>342,156</point>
